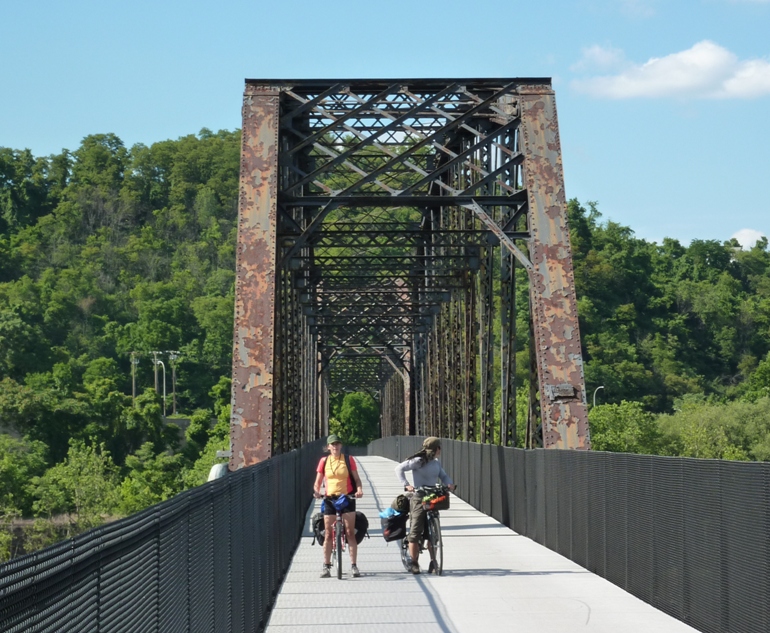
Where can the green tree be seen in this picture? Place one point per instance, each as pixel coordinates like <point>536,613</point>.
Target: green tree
<point>20,461</point>
<point>623,428</point>
<point>151,478</point>
<point>758,383</point>
<point>358,420</point>
<point>701,427</point>
<point>83,488</point>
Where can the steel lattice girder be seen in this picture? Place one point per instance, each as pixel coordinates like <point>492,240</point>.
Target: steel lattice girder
<point>371,212</point>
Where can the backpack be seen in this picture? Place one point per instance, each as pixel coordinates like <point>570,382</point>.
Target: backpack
<point>319,530</point>
<point>401,504</point>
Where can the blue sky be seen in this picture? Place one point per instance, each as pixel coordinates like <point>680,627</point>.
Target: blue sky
<point>664,105</point>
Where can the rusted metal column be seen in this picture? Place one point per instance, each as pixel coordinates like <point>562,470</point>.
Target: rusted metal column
<point>471,347</point>
<point>443,370</point>
<point>279,366</point>
<point>487,356</point>
<point>318,430</point>
<point>422,423</point>
<point>408,377</point>
<point>253,345</point>
<point>324,406</point>
<point>507,349</point>
<point>457,372</point>
<point>434,366</point>
<point>552,284</point>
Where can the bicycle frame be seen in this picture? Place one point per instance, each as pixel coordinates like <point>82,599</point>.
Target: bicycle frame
<point>339,541</point>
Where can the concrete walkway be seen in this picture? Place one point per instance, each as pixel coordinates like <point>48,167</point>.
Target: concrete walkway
<point>494,580</point>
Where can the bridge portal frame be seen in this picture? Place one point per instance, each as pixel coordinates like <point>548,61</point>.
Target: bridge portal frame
<point>482,159</point>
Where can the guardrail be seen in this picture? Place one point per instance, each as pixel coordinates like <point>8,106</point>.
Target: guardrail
<point>210,559</point>
<point>689,536</point>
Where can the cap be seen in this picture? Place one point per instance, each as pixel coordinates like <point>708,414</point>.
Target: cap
<point>333,439</point>
<point>431,443</point>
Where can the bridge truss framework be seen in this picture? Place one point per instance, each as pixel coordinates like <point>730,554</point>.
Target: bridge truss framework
<point>381,227</point>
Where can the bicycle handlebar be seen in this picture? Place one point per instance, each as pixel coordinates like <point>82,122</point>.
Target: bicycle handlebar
<point>318,495</point>
<point>440,488</point>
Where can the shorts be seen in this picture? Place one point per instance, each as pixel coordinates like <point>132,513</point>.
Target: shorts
<point>331,511</point>
<point>416,519</point>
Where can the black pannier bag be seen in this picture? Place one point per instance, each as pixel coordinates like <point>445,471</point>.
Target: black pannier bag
<point>362,526</point>
<point>319,531</point>
<point>317,525</point>
<point>394,527</point>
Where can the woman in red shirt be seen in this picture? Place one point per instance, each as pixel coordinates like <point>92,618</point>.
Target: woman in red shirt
<point>338,482</point>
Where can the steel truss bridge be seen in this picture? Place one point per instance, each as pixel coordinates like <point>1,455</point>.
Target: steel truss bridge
<point>383,226</point>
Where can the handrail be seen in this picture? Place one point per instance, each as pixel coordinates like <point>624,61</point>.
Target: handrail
<point>209,559</point>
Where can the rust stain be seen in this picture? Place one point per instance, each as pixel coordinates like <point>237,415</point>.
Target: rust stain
<point>253,341</point>
<point>557,334</point>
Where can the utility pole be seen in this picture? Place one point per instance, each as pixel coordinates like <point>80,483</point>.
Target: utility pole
<point>173,357</point>
<point>134,363</point>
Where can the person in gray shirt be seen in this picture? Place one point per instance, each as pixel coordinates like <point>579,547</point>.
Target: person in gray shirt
<point>426,471</point>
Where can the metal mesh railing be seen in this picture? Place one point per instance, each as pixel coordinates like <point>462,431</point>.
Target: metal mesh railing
<point>689,536</point>
<point>211,560</point>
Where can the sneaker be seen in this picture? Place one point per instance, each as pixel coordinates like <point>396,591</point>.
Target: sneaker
<point>414,567</point>
<point>354,571</point>
<point>327,572</point>
<point>432,568</point>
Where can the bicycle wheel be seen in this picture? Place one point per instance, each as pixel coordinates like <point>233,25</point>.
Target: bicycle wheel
<point>406,559</point>
<point>437,545</point>
<point>338,543</point>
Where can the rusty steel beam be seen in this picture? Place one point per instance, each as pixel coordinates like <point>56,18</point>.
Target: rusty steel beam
<point>251,427</point>
<point>552,284</point>
<point>371,216</point>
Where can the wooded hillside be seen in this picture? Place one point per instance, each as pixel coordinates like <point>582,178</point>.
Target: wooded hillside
<point>107,250</point>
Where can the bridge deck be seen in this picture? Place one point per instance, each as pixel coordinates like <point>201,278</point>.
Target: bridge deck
<point>494,580</point>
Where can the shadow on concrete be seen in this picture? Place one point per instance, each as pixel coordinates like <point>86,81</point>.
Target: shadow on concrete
<point>461,573</point>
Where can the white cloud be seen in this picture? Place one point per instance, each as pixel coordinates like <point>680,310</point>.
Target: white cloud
<point>637,8</point>
<point>748,237</point>
<point>600,58</point>
<point>706,70</point>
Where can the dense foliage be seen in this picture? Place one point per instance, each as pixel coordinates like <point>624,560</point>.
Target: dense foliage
<point>678,336</point>
<point>107,250</point>
<point>355,418</point>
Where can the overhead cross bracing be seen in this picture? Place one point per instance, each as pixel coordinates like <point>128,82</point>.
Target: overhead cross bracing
<point>381,226</point>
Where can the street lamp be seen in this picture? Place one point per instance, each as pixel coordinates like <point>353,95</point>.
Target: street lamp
<point>155,364</point>
<point>173,357</point>
<point>595,390</point>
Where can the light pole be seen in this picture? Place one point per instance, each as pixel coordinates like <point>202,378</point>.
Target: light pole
<point>173,356</point>
<point>155,364</point>
<point>134,363</point>
<point>160,362</point>
<point>595,390</point>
